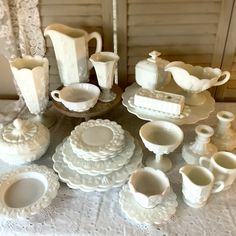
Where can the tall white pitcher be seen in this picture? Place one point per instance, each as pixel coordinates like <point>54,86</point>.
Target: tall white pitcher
<point>71,49</point>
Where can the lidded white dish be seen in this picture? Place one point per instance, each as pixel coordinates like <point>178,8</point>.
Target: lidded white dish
<point>23,141</point>
<point>150,73</point>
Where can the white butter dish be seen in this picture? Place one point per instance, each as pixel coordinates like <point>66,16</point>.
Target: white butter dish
<point>160,101</point>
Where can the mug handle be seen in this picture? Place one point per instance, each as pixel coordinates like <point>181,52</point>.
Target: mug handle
<point>55,95</point>
<point>98,38</point>
<point>205,162</point>
<point>227,76</point>
<point>218,186</point>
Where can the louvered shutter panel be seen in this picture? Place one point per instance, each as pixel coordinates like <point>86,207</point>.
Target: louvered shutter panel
<point>187,30</point>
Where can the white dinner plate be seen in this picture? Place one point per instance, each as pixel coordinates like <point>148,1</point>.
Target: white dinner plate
<point>76,162</point>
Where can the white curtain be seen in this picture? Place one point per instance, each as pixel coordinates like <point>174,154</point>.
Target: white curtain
<point>20,32</point>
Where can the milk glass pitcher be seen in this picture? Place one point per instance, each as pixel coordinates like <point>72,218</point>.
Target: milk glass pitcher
<point>198,184</point>
<point>71,49</point>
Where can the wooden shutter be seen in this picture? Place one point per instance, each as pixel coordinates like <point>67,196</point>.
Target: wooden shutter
<point>90,15</point>
<point>193,31</point>
<point>227,92</point>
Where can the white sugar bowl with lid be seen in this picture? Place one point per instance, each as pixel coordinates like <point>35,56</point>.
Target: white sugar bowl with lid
<point>150,73</point>
<point>23,141</point>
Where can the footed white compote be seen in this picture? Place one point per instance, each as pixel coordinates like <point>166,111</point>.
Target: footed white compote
<point>31,76</point>
<point>160,137</point>
<point>194,80</point>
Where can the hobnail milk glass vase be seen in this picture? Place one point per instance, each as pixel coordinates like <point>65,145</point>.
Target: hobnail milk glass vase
<point>31,75</point>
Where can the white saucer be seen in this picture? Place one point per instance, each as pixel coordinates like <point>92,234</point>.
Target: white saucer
<point>76,162</point>
<point>27,190</point>
<point>157,215</point>
<point>97,139</point>
<point>196,112</point>
<point>95,183</point>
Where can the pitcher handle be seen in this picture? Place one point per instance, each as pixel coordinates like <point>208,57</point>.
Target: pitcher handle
<point>218,186</point>
<point>227,76</point>
<point>55,95</point>
<point>98,38</point>
<point>204,161</point>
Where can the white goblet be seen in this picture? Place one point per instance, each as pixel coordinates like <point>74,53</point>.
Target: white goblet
<point>160,137</point>
<point>31,76</point>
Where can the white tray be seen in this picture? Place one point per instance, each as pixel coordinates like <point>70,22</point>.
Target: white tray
<point>196,113</point>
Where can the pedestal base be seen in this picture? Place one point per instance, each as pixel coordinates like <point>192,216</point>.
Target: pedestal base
<point>194,99</point>
<point>164,164</point>
<point>107,96</point>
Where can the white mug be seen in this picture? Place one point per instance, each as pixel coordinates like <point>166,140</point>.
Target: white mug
<point>222,165</point>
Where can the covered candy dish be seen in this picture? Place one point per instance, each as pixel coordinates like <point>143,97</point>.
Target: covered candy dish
<point>150,73</point>
<point>23,141</point>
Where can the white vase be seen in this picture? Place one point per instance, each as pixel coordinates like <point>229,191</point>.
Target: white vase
<point>31,76</point>
<point>224,137</point>
<point>71,50</point>
<point>200,147</point>
<point>105,65</point>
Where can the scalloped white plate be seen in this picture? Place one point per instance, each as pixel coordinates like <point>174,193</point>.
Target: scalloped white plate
<point>77,163</point>
<point>196,112</point>
<point>27,190</point>
<point>95,183</point>
<point>157,215</point>
<point>97,139</point>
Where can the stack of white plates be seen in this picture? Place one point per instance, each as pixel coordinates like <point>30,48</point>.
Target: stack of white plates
<point>97,156</point>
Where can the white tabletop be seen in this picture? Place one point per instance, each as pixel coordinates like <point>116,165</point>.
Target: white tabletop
<point>74,212</point>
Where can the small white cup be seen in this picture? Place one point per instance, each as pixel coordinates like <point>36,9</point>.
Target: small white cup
<point>77,97</point>
<point>149,186</point>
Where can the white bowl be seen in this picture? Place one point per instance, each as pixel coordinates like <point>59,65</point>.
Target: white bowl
<point>196,79</point>
<point>77,97</point>
<point>161,136</point>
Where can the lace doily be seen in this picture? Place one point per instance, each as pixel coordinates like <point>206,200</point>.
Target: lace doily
<point>20,28</point>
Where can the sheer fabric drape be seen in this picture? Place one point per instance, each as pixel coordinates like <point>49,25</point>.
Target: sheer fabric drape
<point>20,32</point>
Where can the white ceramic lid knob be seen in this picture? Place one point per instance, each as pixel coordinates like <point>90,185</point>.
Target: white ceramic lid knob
<point>18,124</point>
<point>154,55</point>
